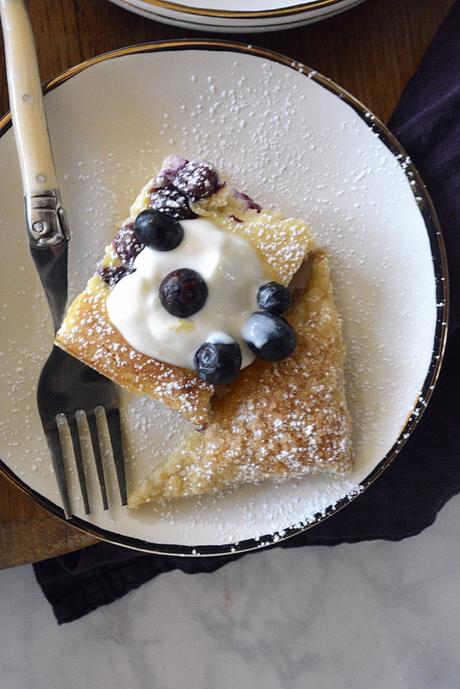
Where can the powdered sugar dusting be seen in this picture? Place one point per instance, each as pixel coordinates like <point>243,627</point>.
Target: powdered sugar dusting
<point>289,144</point>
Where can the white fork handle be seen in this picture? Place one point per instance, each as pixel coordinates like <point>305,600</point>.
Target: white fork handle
<point>26,100</point>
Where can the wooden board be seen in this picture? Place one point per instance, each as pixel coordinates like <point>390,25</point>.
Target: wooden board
<point>371,50</point>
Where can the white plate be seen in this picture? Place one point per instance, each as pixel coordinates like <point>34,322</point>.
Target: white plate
<point>291,139</point>
<point>241,8</point>
<point>272,16</point>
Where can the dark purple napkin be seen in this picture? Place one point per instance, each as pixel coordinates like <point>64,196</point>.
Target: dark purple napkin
<point>407,497</point>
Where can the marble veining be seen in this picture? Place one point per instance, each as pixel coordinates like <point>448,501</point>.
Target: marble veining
<point>380,615</point>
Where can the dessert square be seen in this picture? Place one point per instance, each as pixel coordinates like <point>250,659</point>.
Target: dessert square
<point>224,312</point>
<point>89,333</point>
<point>279,420</point>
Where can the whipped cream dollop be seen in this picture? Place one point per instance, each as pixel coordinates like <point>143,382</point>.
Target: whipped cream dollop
<point>233,273</point>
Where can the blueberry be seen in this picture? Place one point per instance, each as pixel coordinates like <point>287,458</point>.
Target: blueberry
<point>218,363</point>
<point>159,231</point>
<point>126,244</point>
<point>274,298</point>
<point>113,274</point>
<point>183,292</point>
<point>171,166</point>
<point>196,180</point>
<point>171,202</point>
<point>268,336</point>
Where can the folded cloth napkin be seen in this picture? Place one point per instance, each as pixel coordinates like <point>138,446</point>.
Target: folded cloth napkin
<point>406,498</point>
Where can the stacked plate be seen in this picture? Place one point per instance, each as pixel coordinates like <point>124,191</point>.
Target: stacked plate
<point>237,16</point>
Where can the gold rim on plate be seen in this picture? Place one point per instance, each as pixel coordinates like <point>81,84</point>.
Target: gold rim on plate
<point>129,5</point>
<point>438,253</point>
<point>251,14</point>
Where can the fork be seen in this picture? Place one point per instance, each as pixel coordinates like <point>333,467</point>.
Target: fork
<point>74,395</point>
<point>69,393</point>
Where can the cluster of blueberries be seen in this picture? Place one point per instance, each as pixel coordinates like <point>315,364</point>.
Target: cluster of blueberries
<point>182,183</point>
<point>177,185</point>
<point>267,334</point>
<point>183,292</point>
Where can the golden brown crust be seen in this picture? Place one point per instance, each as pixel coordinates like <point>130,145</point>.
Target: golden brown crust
<point>88,334</point>
<point>279,420</point>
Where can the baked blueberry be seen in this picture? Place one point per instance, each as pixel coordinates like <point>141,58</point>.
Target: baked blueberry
<point>274,298</point>
<point>218,363</point>
<point>197,180</point>
<point>113,274</point>
<point>126,244</point>
<point>171,166</point>
<point>183,292</point>
<point>268,336</point>
<point>159,231</point>
<point>171,202</point>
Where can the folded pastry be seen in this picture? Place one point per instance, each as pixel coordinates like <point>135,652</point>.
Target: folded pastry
<point>279,420</point>
<point>190,305</point>
<point>96,337</point>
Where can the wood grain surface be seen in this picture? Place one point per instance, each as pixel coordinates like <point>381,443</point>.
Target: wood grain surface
<point>371,50</point>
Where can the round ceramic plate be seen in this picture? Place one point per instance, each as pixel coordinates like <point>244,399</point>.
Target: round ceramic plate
<point>291,139</point>
<point>235,17</point>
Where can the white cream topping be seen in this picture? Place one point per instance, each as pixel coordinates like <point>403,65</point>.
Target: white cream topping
<point>257,331</point>
<point>220,338</point>
<point>233,273</point>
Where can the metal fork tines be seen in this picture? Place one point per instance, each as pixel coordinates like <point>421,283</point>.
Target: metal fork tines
<point>78,404</point>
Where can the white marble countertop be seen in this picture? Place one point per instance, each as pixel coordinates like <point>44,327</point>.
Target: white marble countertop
<point>365,616</point>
